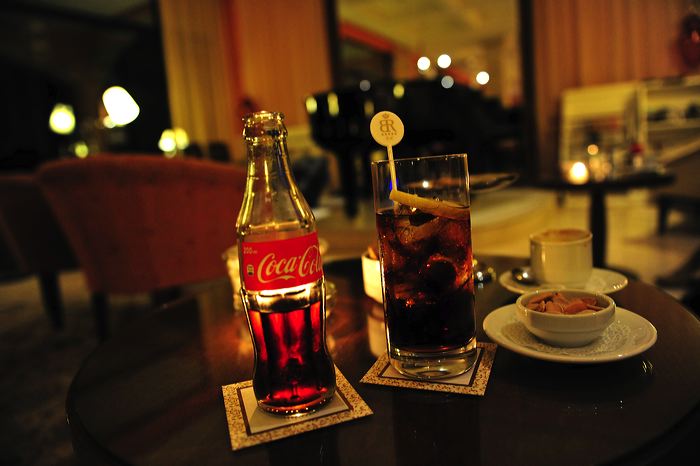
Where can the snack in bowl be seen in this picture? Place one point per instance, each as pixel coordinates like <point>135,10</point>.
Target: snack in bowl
<point>557,303</point>
<point>565,318</point>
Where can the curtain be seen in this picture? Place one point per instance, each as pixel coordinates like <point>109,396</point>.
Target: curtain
<point>199,50</point>
<point>225,58</point>
<point>284,54</point>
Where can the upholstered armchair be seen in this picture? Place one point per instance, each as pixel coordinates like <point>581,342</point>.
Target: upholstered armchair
<point>35,239</point>
<point>144,224</point>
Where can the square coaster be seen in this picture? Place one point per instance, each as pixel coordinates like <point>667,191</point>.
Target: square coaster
<point>472,382</point>
<point>250,425</point>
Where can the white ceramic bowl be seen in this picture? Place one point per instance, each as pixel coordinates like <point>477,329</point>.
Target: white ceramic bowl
<point>567,330</point>
<point>372,278</point>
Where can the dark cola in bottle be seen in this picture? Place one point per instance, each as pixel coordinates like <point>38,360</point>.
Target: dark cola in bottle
<point>282,283</point>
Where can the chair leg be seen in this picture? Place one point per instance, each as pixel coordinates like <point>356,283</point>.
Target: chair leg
<point>100,312</point>
<point>51,298</point>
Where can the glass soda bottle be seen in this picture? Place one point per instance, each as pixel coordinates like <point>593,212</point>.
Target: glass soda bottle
<point>282,283</point>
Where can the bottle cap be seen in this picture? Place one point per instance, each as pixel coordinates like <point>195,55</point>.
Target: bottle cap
<point>263,125</point>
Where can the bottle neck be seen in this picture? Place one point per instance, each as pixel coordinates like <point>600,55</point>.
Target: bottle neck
<point>268,165</point>
<point>273,206</point>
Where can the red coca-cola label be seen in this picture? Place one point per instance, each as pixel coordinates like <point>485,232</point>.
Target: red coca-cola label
<point>269,265</point>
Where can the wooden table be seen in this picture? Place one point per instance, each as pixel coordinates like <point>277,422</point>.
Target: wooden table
<point>151,395</point>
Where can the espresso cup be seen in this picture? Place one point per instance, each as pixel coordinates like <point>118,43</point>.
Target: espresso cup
<point>561,256</point>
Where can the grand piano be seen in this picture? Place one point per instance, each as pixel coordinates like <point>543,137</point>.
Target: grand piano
<point>437,120</point>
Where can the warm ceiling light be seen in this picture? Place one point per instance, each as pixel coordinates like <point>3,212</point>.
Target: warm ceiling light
<point>447,82</point>
<point>62,119</point>
<point>81,149</point>
<point>444,60</point>
<point>399,90</point>
<point>182,140</point>
<point>578,173</point>
<point>167,142</point>
<point>311,105</point>
<point>108,123</point>
<point>365,85</point>
<point>369,108</point>
<point>423,63</point>
<point>482,77</point>
<point>333,105</point>
<point>120,106</point>
<point>592,149</point>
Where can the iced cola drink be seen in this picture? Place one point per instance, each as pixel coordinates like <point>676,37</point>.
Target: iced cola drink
<point>426,261</point>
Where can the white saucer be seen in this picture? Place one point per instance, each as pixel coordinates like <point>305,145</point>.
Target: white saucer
<point>629,335</point>
<point>602,281</point>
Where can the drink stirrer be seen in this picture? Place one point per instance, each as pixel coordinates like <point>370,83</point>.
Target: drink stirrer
<point>387,130</point>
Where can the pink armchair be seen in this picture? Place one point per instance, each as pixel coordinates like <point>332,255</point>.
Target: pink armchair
<point>144,224</point>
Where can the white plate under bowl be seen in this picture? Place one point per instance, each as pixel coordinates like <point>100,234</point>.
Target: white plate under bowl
<point>602,281</point>
<point>629,335</point>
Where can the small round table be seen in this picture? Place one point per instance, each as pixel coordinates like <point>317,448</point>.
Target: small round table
<point>151,395</point>
<point>597,190</point>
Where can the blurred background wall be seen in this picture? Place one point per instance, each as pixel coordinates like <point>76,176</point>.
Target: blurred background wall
<point>588,42</point>
<point>199,65</point>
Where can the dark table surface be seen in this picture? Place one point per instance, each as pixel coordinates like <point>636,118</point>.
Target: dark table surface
<point>151,395</point>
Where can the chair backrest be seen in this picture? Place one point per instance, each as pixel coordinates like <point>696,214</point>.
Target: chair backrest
<point>139,224</point>
<point>30,228</point>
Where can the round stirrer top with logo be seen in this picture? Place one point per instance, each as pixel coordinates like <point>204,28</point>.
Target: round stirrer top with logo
<point>387,129</point>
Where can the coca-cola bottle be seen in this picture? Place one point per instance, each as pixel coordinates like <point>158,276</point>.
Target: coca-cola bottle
<point>282,283</point>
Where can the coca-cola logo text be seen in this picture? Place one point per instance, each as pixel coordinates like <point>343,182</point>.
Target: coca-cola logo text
<point>288,268</point>
<point>281,263</point>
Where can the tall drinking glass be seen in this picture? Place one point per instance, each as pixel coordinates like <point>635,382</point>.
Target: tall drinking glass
<point>425,251</point>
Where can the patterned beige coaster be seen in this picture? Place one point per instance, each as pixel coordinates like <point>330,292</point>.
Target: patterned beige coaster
<point>472,382</point>
<point>249,425</point>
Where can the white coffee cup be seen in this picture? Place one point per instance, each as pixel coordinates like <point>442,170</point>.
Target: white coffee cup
<point>562,256</point>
